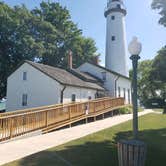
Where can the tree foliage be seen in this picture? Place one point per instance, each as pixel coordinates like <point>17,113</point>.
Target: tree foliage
<point>159,66</point>
<point>161,6</point>
<point>146,87</point>
<point>152,77</point>
<point>44,34</point>
<point>158,72</point>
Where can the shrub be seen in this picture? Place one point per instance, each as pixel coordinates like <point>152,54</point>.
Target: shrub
<point>125,110</point>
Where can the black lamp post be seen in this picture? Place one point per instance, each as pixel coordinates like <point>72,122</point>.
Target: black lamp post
<point>164,96</point>
<point>133,152</point>
<point>135,48</point>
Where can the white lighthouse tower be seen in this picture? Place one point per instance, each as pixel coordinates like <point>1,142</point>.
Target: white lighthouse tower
<point>116,50</point>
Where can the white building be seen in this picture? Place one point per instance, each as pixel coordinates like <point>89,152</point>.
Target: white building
<point>115,84</point>
<point>34,85</point>
<point>116,52</point>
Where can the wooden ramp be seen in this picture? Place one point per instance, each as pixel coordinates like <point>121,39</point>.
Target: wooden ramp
<point>52,117</point>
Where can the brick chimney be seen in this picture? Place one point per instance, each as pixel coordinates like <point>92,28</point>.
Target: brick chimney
<point>96,60</point>
<point>70,59</point>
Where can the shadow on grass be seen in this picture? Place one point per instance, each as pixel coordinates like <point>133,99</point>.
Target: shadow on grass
<point>99,153</point>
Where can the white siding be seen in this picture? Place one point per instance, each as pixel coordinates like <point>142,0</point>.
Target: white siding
<point>82,94</point>
<point>41,89</point>
<point>124,84</point>
<point>116,52</point>
<point>109,84</point>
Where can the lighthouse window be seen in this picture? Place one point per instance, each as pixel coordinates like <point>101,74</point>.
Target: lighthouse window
<point>113,38</point>
<point>113,17</point>
<point>118,6</point>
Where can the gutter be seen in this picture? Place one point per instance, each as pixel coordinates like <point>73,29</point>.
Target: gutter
<point>117,78</point>
<point>62,91</point>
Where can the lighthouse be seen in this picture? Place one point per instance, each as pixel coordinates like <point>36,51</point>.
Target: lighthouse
<point>116,51</point>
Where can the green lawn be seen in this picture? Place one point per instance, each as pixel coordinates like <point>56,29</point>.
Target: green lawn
<point>158,110</point>
<point>100,149</point>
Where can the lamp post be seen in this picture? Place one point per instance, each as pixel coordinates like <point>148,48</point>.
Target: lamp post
<point>133,152</point>
<point>135,49</point>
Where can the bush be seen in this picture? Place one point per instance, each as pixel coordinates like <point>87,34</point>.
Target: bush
<point>125,110</point>
<point>129,110</point>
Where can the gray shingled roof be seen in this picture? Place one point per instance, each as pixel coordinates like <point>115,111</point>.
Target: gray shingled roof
<point>64,77</point>
<point>85,76</point>
<point>111,71</point>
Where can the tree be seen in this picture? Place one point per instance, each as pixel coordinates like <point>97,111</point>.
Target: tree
<point>158,72</point>
<point>146,86</point>
<point>160,5</point>
<point>152,77</point>
<point>69,37</point>
<point>43,34</point>
<point>18,40</point>
<point>159,66</point>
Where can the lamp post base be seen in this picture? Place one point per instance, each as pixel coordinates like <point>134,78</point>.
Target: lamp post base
<point>131,153</point>
<point>164,112</point>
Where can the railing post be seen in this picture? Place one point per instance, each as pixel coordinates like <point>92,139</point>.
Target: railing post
<point>11,127</point>
<point>46,120</point>
<point>69,112</point>
<point>70,115</point>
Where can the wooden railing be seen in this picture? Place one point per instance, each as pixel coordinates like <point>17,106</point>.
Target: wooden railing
<point>21,122</point>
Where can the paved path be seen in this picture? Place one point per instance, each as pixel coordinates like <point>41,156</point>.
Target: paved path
<point>20,148</point>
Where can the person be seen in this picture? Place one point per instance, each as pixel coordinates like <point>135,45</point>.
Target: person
<point>87,109</point>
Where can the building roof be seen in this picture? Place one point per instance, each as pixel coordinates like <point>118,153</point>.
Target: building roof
<point>86,76</point>
<point>64,77</point>
<point>108,70</point>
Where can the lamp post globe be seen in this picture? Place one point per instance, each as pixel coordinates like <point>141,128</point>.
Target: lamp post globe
<point>135,48</point>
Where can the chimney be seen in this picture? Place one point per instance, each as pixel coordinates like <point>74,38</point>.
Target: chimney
<point>96,60</point>
<point>70,59</point>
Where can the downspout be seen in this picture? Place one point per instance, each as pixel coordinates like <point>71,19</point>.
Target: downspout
<point>62,91</point>
<point>117,78</point>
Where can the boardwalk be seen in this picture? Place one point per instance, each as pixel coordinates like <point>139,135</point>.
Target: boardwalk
<point>49,118</point>
<point>21,148</point>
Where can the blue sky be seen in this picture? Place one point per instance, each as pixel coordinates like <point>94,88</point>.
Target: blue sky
<point>141,21</point>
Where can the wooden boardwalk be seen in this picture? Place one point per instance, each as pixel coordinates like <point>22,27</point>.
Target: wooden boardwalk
<point>49,118</point>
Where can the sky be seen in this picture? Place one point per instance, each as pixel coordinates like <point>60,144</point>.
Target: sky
<point>141,21</point>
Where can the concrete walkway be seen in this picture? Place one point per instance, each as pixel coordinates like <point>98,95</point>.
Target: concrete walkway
<point>17,149</point>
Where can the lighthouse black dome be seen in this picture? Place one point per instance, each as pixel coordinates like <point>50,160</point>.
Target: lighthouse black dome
<point>115,6</point>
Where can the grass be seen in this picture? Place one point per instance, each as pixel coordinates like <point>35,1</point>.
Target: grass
<point>100,149</point>
<point>158,110</point>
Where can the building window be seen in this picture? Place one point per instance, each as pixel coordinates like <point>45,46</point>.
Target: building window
<point>129,96</point>
<point>24,99</point>
<point>124,91</point>
<point>118,91</point>
<point>24,76</point>
<point>118,6</point>
<point>113,38</point>
<point>103,76</point>
<point>89,98</point>
<point>73,98</point>
<point>113,17</point>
